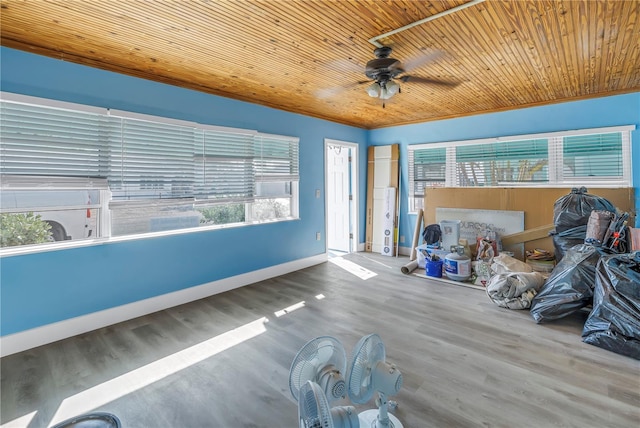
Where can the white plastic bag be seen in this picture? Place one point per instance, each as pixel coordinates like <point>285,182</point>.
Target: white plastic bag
<point>514,290</point>
<point>503,263</point>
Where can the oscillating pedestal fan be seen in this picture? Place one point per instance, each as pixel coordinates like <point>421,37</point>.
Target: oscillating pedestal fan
<point>371,373</point>
<point>314,410</point>
<point>322,362</point>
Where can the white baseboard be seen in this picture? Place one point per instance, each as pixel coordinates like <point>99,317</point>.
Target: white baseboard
<point>18,342</point>
<point>404,251</point>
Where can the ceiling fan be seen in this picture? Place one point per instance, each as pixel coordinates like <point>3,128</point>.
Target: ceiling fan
<point>384,72</point>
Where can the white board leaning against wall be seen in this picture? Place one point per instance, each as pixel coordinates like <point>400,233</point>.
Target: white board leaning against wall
<point>473,222</point>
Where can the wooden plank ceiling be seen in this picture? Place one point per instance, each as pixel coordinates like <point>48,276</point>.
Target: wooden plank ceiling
<point>309,56</point>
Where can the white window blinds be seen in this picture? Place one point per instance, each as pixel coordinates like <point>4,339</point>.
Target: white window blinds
<point>145,157</point>
<point>150,160</point>
<point>276,157</point>
<point>427,168</point>
<point>501,164</point>
<point>39,140</point>
<point>224,165</point>
<point>588,157</point>
<point>275,164</point>
<point>601,156</point>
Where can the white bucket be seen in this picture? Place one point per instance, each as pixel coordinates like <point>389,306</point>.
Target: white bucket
<point>450,233</point>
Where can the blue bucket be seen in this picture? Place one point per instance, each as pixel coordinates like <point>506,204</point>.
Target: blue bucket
<point>434,269</point>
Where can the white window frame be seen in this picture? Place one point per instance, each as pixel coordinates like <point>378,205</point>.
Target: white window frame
<point>107,201</point>
<point>555,141</point>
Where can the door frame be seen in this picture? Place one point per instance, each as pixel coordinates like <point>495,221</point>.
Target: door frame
<point>353,182</point>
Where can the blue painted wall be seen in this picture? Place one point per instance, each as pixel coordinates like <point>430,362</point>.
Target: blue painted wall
<point>592,113</point>
<point>38,289</point>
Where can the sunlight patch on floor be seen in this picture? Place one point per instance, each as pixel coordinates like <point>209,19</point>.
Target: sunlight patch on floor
<point>139,378</point>
<point>353,268</point>
<point>289,309</point>
<point>21,422</point>
<point>336,253</point>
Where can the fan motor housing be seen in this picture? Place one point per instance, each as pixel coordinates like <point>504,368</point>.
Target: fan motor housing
<point>383,67</point>
<point>332,383</point>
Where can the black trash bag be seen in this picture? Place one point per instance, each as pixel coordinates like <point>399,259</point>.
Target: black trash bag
<point>614,322</point>
<point>574,209</point>
<point>569,288</point>
<point>432,234</point>
<point>566,240</point>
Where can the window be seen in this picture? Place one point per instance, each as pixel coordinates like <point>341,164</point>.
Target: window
<point>40,210</point>
<point>501,164</point>
<point>276,166</point>
<point>589,157</point>
<point>427,168</point>
<point>156,174</point>
<point>595,157</point>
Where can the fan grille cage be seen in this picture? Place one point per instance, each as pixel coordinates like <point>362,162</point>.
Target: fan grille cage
<point>369,351</point>
<point>338,389</point>
<point>316,354</point>
<point>399,382</point>
<point>314,411</point>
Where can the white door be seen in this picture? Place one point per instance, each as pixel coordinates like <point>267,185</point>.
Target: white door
<point>338,201</point>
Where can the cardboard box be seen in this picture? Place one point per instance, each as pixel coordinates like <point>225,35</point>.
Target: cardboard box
<point>382,172</point>
<point>388,222</point>
<point>368,242</point>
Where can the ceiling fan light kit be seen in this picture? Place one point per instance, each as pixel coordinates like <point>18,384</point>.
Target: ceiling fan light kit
<point>374,90</point>
<point>383,91</point>
<point>390,89</point>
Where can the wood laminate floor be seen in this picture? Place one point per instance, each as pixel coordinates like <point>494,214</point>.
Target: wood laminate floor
<point>224,361</point>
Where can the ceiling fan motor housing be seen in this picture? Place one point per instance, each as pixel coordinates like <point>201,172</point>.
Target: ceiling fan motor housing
<point>383,68</point>
<point>382,52</point>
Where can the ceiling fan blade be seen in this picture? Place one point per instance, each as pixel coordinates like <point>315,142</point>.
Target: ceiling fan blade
<point>417,79</point>
<point>397,66</point>
<point>337,90</point>
<point>421,60</point>
<point>344,65</point>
